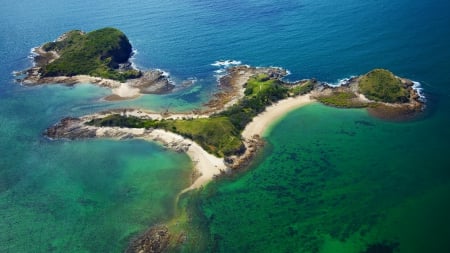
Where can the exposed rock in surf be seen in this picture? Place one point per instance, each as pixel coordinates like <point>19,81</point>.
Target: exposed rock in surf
<point>154,240</point>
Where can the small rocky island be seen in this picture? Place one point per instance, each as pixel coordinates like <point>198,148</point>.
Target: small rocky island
<point>384,95</point>
<point>100,57</point>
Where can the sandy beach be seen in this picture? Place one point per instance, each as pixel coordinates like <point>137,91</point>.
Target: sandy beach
<point>272,113</point>
<point>205,164</point>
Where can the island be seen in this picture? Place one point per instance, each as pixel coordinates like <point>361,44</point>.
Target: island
<point>221,138</point>
<point>99,57</point>
<point>380,91</point>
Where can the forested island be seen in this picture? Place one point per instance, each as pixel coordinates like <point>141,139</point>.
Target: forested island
<point>223,136</point>
<point>100,57</point>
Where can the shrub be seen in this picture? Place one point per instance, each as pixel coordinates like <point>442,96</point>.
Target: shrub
<point>382,85</point>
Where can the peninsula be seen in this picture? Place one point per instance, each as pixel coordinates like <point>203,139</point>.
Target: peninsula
<point>99,57</point>
<point>226,138</point>
<point>223,137</point>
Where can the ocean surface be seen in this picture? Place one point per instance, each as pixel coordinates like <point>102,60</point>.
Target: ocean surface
<point>329,180</point>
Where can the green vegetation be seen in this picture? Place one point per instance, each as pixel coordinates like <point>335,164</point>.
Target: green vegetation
<point>260,92</point>
<point>341,99</point>
<point>126,121</point>
<point>97,53</point>
<point>220,133</point>
<point>382,85</point>
<point>260,83</point>
<point>216,135</point>
<point>303,88</point>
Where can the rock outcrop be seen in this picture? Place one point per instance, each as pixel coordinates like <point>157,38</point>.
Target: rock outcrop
<point>155,240</point>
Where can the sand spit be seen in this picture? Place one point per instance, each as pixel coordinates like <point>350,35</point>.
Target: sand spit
<point>206,165</point>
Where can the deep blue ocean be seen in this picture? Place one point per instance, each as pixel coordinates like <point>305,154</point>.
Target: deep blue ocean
<point>349,181</point>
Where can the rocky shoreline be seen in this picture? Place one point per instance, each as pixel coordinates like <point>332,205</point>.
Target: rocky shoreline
<point>232,85</point>
<point>231,90</point>
<point>388,111</point>
<point>150,82</point>
<point>154,240</point>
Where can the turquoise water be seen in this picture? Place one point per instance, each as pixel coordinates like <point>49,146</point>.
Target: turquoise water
<point>330,180</point>
<point>337,181</point>
<point>79,196</point>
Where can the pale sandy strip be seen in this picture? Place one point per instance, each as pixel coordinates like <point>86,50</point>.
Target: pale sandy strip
<point>125,91</point>
<point>206,164</point>
<point>144,114</point>
<point>272,113</point>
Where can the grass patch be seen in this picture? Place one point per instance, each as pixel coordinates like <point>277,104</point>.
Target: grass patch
<point>97,53</point>
<point>303,88</point>
<point>260,91</point>
<point>217,135</point>
<point>341,99</point>
<point>260,83</point>
<point>381,85</point>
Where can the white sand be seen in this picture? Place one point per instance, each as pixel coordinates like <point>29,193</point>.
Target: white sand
<point>272,113</point>
<point>144,114</point>
<point>125,91</point>
<point>206,164</point>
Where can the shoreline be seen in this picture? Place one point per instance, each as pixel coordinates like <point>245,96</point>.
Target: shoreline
<point>273,113</point>
<point>231,91</point>
<point>151,82</point>
<point>232,85</point>
<point>206,165</point>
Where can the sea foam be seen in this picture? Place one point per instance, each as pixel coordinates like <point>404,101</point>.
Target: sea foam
<point>133,58</point>
<point>339,82</point>
<point>417,86</point>
<point>223,65</point>
<point>226,63</point>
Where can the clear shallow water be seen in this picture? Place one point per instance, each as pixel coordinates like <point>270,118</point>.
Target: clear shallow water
<point>79,196</point>
<point>391,180</point>
<point>337,182</point>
